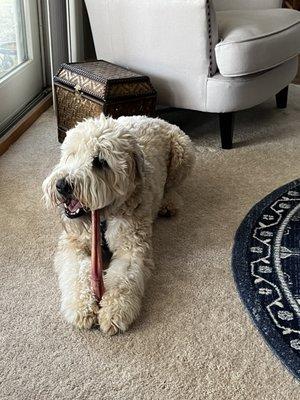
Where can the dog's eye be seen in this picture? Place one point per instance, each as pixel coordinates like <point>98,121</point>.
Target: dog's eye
<point>99,163</point>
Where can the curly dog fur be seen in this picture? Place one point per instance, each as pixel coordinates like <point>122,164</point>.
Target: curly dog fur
<point>129,168</point>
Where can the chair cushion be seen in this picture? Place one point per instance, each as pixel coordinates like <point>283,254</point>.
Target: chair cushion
<point>254,41</point>
<point>225,94</point>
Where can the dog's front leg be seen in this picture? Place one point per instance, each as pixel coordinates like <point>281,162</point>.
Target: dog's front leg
<point>78,305</point>
<point>124,287</point>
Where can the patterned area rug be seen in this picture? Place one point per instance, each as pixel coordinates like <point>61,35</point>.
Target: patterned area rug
<point>266,267</point>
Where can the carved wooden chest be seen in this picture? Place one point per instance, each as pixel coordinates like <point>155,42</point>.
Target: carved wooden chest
<point>87,89</point>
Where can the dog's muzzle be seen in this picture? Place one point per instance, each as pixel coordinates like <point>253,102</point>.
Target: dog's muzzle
<point>73,207</point>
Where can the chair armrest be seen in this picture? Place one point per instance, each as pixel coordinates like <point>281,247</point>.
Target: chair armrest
<point>223,5</point>
<point>171,41</point>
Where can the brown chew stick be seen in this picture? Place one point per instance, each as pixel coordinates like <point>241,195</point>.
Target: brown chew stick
<point>96,257</point>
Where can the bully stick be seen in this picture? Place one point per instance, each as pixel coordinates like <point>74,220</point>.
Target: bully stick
<point>96,257</point>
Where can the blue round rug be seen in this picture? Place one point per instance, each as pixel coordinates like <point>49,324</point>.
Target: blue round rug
<point>266,267</point>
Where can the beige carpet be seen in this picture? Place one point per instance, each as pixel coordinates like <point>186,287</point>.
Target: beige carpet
<point>194,339</point>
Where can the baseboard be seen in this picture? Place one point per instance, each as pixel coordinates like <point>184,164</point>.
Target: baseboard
<point>21,126</point>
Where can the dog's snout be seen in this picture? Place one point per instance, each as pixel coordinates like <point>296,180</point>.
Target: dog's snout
<point>63,187</point>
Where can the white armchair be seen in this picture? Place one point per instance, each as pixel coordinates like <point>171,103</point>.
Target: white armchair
<point>213,61</point>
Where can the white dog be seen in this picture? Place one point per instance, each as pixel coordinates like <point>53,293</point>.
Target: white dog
<point>129,168</point>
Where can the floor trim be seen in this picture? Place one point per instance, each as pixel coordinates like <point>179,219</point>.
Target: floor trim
<point>21,126</point>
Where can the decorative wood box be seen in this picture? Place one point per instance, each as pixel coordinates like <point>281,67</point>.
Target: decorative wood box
<point>87,89</point>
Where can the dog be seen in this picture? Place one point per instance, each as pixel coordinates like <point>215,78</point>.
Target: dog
<point>129,168</point>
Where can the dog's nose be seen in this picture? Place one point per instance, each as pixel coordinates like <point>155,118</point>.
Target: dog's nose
<point>63,187</point>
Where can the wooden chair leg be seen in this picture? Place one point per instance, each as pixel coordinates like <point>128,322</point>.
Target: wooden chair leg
<point>226,121</point>
<point>282,97</point>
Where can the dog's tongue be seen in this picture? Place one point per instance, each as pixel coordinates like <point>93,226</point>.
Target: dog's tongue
<point>74,205</point>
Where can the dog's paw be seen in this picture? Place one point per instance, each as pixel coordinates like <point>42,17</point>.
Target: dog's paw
<point>108,323</point>
<point>170,204</point>
<point>117,312</point>
<point>167,210</point>
<point>82,319</point>
<point>86,321</point>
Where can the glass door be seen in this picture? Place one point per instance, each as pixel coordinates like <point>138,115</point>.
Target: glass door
<point>21,70</point>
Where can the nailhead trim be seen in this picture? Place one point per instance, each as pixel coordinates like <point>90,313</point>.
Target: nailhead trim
<point>209,37</point>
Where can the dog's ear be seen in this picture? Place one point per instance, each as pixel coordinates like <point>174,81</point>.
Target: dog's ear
<point>139,161</point>
<point>139,176</point>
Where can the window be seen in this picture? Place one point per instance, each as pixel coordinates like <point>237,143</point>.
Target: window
<point>13,45</point>
<point>21,71</point>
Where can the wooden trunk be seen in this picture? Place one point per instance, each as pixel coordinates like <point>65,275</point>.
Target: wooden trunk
<point>87,89</point>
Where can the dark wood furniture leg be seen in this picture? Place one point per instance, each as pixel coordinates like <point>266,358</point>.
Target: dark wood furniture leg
<point>226,121</point>
<point>281,97</point>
